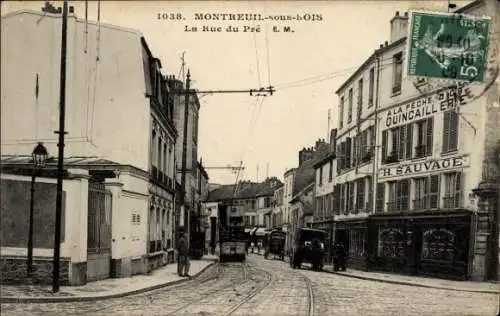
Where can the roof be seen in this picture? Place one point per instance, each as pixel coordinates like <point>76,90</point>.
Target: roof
<point>468,6</point>
<point>329,157</point>
<point>377,52</point>
<point>306,174</point>
<point>246,190</point>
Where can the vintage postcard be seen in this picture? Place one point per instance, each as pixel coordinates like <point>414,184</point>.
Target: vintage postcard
<point>250,157</point>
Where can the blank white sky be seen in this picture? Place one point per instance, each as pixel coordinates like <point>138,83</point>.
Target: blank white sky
<point>294,117</point>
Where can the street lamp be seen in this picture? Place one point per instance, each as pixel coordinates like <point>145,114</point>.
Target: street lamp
<point>39,156</point>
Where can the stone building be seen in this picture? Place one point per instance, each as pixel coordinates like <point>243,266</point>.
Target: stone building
<point>118,147</point>
<point>412,161</point>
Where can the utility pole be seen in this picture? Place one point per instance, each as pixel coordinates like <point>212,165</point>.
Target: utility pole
<point>184,154</point>
<point>60,155</point>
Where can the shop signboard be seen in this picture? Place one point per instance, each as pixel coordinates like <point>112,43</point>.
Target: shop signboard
<point>425,166</point>
<point>447,46</point>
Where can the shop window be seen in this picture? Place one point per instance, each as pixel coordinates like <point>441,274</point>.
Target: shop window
<point>438,244</point>
<point>453,190</point>
<point>391,243</point>
<point>356,243</point>
<point>450,131</point>
<point>424,138</point>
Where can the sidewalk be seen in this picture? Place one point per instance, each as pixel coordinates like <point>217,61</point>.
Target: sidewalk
<point>104,289</point>
<point>434,283</point>
<point>463,286</point>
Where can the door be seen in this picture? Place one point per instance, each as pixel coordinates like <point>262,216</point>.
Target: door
<point>99,232</point>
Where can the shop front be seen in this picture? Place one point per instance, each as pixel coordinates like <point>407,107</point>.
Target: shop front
<point>352,233</point>
<point>427,243</point>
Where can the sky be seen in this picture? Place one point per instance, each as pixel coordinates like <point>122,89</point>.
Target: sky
<point>305,66</point>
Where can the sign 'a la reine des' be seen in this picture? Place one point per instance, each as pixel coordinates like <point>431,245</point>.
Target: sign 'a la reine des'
<point>447,46</point>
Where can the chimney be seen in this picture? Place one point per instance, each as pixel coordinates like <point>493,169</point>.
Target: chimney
<point>399,26</point>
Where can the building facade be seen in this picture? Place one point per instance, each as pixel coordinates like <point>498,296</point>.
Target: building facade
<point>287,197</point>
<point>277,213</point>
<point>411,155</point>
<point>128,168</point>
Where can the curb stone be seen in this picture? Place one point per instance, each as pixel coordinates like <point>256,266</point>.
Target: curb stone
<point>69,299</point>
<point>412,284</point>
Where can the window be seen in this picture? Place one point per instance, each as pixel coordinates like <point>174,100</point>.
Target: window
<point>330,172</point>
<point>424,138</point>
<point>356,243</point>
<point>371,87</point>
<point>397,75</point>
<point>159,163</point>
<point>349,110</point>
<point>336,199</point>
<point>401,143</point>
<point>321,175</point>
<point>153,148</point>
<point>342,198</point>
<point>450,131</point>
<point>360,97</point>
<point>453,190</point>
<point>399,193</point>
<point>421,198</point>
<point>347,151</point>
<point>341,113</point>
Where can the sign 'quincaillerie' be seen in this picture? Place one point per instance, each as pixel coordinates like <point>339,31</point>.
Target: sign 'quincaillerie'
<point>420,167</point>
<point>447,46</point>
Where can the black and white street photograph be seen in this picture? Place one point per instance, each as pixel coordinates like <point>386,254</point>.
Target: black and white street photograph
<point>281,158</point>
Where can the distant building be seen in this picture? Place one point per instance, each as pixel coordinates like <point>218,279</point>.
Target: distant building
<point>277,213</point>
<point>413,157</point>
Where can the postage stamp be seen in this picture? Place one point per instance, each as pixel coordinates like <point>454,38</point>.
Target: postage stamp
<point>447,46</point>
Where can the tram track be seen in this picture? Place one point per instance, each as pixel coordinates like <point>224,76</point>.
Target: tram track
<point>196,302</point>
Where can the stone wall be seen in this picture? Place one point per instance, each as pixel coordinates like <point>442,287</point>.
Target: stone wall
<point>14,271</point>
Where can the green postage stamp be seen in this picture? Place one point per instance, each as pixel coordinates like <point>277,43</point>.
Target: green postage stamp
<point>447,46</point>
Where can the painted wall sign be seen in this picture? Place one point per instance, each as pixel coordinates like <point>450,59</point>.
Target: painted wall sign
<point>420,167</point>
<point>429,105</point>
<point>448,46</point>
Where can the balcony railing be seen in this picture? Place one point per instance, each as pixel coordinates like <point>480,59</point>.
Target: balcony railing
<point>393,157</point>
<point>450,202</point>
<point>367,156</point>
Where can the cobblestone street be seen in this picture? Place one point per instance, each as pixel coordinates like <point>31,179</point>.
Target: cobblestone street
<point>271,287</point>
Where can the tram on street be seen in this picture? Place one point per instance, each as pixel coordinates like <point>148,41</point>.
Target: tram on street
<point>232,237</point>
<point>275,244</point>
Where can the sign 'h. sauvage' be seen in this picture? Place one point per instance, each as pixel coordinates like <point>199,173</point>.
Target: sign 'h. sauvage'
<point>434,165</point>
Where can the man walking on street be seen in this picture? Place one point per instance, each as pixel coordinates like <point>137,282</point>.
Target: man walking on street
<point>182,257</point>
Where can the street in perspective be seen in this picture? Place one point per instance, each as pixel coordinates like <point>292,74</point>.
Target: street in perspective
<point>250,158</point>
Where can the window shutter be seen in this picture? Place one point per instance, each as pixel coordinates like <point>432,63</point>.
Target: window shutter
<point>458,189</point>
<point>430,132</point>
<point>409,141</point>
<point>384,146</point>
<point>395,141</point>
<point>369,198</point>
<point>446,130</point>
<point>454,124</point>
<point>402,142</point>
<point>335,202</point>
<point>434,192</point>
<point>379,207</point>
<point>339,159</point>
<point>355,142</point>
<point>348,152</point>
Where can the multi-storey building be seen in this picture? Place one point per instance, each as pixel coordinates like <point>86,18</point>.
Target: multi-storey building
<point>324,202</point>
<point>119,125</point>
<point>287,197</point>
<point>277,214</point>
<point>411,156</point>
<point>302,197</point>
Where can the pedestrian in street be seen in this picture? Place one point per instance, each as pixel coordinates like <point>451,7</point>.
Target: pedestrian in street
<point>183,256</point>
<point>339,262</point>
